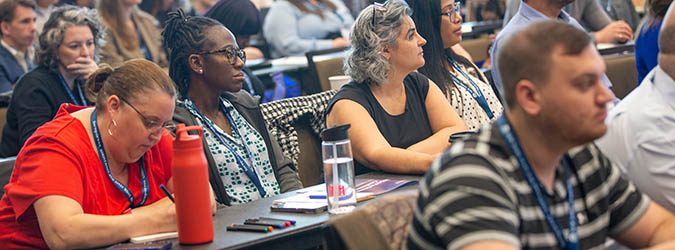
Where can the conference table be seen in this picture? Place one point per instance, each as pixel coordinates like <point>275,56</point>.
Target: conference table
<point>606,49</point>
<point>307,232</point>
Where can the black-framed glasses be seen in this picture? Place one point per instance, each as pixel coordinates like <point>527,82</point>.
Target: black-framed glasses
<point>454,12</point>
<point>376,7</point>
<point>151,125</point>
<point>230,52</point>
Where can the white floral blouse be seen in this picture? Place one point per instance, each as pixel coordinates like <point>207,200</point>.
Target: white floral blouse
<point>238,185</point>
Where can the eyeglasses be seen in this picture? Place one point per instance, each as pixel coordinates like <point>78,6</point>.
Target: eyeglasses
<point>376,7</point>
<point>230,52</point>
<point>152,125</point>
<point>454,13</point>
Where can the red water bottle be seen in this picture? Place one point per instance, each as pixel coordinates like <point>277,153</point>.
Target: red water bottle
<point>191,186</point>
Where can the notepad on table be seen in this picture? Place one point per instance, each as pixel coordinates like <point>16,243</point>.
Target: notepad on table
<point>154,237</point>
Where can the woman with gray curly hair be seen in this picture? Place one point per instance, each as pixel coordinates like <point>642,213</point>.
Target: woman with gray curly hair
<point>400,120</point>
<point>66,56</point>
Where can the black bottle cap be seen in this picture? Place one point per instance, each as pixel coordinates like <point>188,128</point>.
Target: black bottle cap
<point>337,133</point>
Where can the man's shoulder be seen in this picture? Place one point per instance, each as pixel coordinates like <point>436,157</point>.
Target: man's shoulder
<point>643,110</point>
<point>516,23</point>
<point>7,61</point>
<point>589,161</point>
<point>4,52</point>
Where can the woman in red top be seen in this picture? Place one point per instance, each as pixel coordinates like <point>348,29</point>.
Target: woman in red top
<point>90,177</point>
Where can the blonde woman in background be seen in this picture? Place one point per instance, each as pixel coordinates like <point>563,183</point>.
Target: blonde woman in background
<point>131,33</point>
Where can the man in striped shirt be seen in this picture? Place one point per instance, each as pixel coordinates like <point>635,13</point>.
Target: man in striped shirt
<point>532,180</point>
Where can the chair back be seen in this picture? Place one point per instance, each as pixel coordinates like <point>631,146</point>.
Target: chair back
<point>310,164</point>
<point>622,72</point>
<point>6,167</point>
<point>380,224</point>
<point>296,123</point>
<point>5,99</point>
<point>3,120</point>
<point>322,64</point>
<point>477,48</point>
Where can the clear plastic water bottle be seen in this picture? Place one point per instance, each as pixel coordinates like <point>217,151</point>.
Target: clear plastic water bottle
<point>338,169</point>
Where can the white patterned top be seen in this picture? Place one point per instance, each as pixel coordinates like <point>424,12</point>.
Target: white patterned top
<point>467,107</point>
<point>238,185</point>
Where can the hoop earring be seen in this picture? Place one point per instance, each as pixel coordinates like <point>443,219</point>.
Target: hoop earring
<point>114,125</point>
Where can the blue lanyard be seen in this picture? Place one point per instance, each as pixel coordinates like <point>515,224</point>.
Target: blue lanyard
<point>477,94</point>
<point>82,101</point>
<point>248,170</point>
<point>104,159</point>
<point>572,242</point>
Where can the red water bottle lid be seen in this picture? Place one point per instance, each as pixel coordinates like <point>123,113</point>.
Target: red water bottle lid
<point>185,140</point>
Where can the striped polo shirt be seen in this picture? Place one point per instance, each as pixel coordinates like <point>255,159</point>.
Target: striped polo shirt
<point>476,191</point>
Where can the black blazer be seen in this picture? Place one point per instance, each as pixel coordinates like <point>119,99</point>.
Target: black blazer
<point>10,70</point>
<point>36,98</point>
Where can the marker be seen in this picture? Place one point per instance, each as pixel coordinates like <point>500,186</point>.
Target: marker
<point>166,192</point>
<point>292,222</point>
<point>249,228</point>
<point>263,222</point>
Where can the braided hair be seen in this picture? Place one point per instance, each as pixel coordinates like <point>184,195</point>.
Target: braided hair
<point>184,35</point>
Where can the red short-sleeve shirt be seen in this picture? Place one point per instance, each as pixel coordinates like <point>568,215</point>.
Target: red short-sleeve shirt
<point>59,159</point>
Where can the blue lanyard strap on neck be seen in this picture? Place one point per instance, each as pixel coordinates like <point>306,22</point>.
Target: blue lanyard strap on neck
<point>477,94</point>
<point>81,101</point>
<point>572,241</point>
<point>241,162</point>
<point>145,189</point>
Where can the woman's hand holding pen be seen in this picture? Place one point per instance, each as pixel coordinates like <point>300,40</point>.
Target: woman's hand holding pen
<point>160,216</point>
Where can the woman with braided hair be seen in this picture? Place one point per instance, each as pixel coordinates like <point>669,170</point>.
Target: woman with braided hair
<point>245,161</point>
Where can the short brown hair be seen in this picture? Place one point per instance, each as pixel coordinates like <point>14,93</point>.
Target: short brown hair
<point>128,81</point>
<point>527,53</point>
<point>8,7</point>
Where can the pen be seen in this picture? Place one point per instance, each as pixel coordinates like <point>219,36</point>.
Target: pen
<point>317,196</point>
<point>321,196</point>
<point>292,222</point>
<point>249,228</point>
<point>262,222</point>
<point>166,192</point>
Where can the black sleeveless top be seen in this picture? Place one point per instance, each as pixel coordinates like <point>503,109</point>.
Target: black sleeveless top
<point>401,131</point>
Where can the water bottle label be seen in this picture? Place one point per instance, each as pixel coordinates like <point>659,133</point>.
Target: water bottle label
<point>334,190</point>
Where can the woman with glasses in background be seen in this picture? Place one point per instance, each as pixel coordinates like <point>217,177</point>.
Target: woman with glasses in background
<point>463,84</point>
<point>400,120</point>
<point>91,176</point>
<point>245,161</point>
<point>67,54</point>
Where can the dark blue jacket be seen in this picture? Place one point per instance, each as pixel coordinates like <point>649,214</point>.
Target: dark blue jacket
<point>10,70</point>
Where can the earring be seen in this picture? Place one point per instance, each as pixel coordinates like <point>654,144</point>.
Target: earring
<point>201,71</point>
<point>114,125</point>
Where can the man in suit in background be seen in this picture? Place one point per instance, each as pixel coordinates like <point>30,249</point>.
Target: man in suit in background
<point>18,30</point>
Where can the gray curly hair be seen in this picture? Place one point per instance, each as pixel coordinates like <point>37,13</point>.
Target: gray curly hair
<point>55,28</point>
<point>369,36</point>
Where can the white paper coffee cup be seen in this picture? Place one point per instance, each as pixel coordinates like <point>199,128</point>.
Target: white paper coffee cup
<point>336,82</point>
